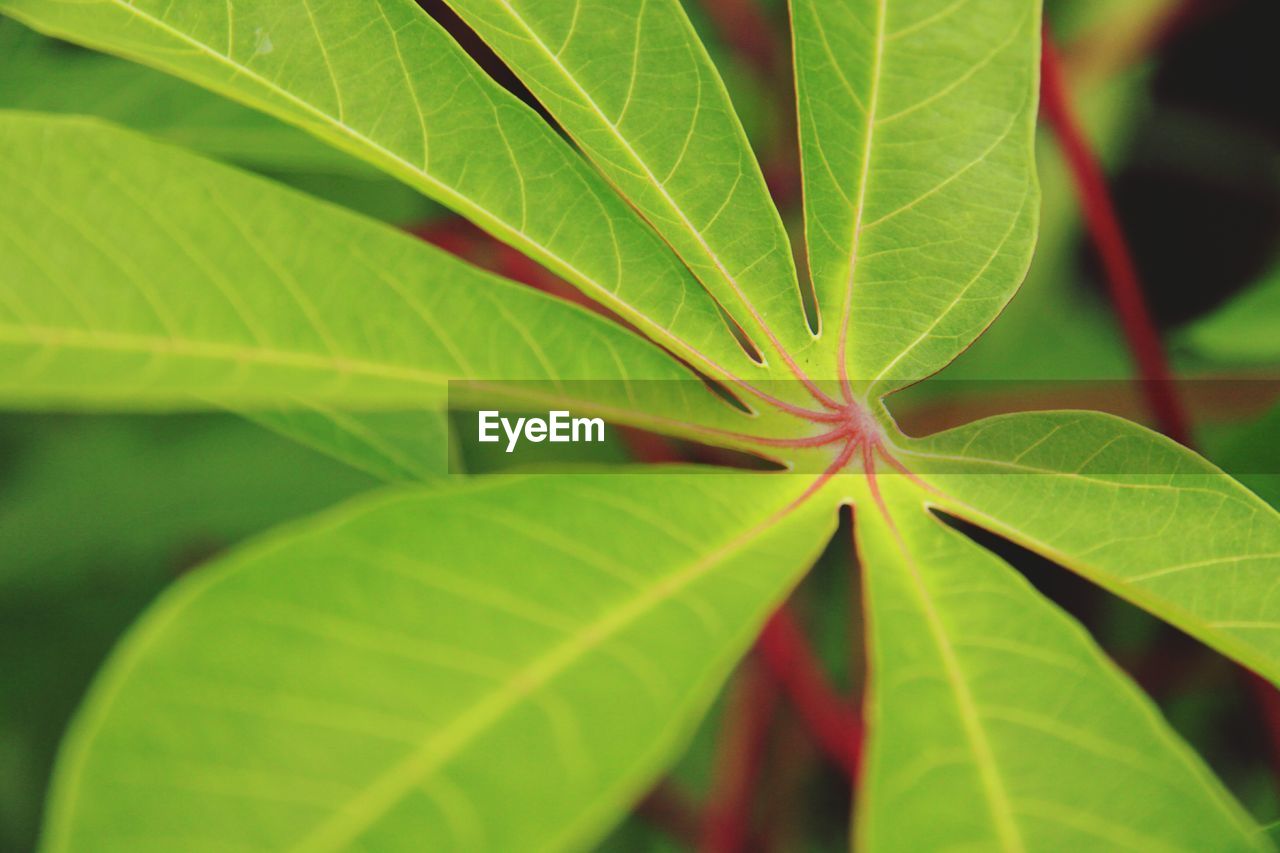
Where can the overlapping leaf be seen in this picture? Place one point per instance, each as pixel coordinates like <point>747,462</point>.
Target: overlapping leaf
<point>634,87</point>
<point>501,666</point>
<point>916,129</point>
<point>141,276</point>
<point>1247,329</point>
<point>999,725</point>
<point>425,113</point>
<point>42,74</point>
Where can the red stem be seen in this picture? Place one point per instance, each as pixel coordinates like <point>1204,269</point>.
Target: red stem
<point>1130,304</point>
<point>1104,228</point>
<point>670,810</point>
<point>740,754</point>
<point>834,725</point>
<point>744,27</point>
<point>1268,699</point>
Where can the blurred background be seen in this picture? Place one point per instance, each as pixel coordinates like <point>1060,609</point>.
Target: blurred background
<point>1176,97</point>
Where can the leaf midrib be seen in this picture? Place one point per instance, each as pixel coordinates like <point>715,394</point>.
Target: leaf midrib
<point>1123,587</point>
<point>341,368</point>
<point>997,797</point>
<point>71,338</point>
<point>385,791</point>
<point>873,100</point>
<point>978,517</point>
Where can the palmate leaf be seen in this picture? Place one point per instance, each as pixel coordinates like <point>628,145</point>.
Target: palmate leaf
<point>499,666</point>
<point>391,677</point>
<point>425,113</point>
<point>999,724</point>
<point>1128,509</point>
<point>916,130</point>
<point>140,276</point>
<point>634,87</point>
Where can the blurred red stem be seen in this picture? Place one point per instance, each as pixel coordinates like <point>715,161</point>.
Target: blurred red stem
<point>740,754</point>
<point>1104,228</point>
<point>834,725</point>
<point>1268,700</point>
<point>1127,297</point>
<point>744,28</point>
<point>668,809</point>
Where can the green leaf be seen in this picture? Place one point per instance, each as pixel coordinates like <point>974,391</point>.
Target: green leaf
<point>509,663</point>
<point>1249,452</point>
<point>41,74</point>
<point>142,276</point>
<point>381,80</point>
<point>635,89</point>
<point>1000,725</point>
<point>916,130</point>
<point>1128,509</point>
<point>1056,328</point>
<point>397,447</point>
<point>502,666</point>
<point>1244,331</point>
<point>93,503</point>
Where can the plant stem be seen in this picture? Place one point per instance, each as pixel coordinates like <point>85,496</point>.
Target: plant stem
<point>743,26</point>
<point>670,810</point>
<point>740,754</point>
<point>1268,699</point>
<point>1129,303</point>
<point>1123,283</point>
<point>833,724</point>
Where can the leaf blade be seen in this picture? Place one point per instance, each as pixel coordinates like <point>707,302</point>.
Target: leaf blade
<point>1002,707</point>
<point>395,447</point>
<point>434,92</point>
<point>639,94</point>
<point>1243,330</point>
<point>117,298</point>
<point>458,737</point>
<point>39,74</point>
<point>1177,536</point>
<point>940,143</point>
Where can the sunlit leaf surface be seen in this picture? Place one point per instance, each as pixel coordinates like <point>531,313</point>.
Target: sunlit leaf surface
<point>428,115</point>
<point>916,130</point>
<point>1128,509</point>
<point>1000,725</point>
<point>410,671</point>
<point>635,88</point>
<point>141,276</point>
